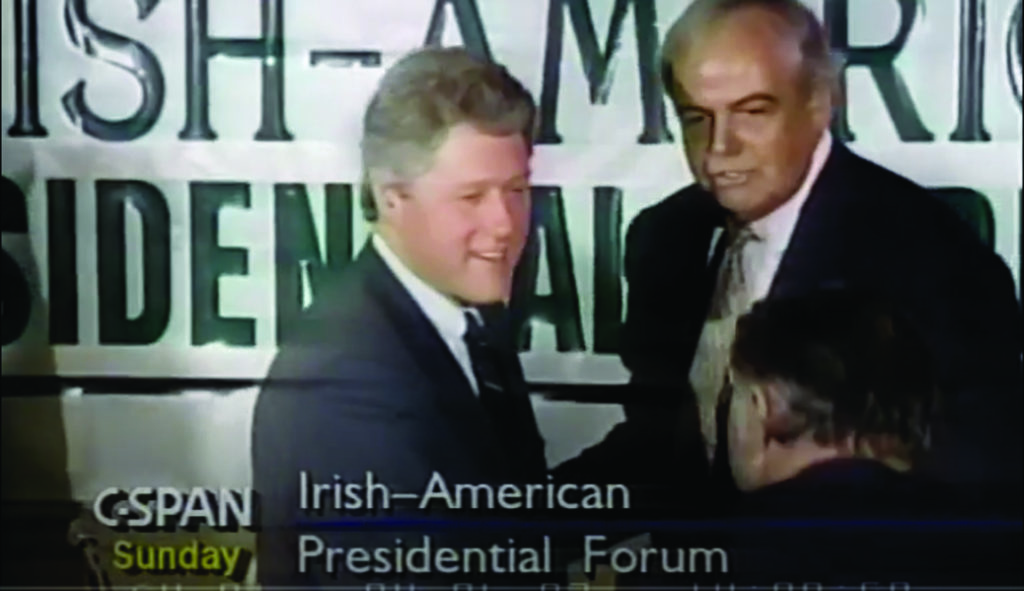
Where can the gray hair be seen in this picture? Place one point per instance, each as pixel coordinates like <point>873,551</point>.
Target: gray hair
<point>421,97</point>
<point>819,65</point>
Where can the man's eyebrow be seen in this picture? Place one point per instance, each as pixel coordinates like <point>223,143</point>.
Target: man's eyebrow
<point>753,98</point>
<point>469,185</point>
<point>476,185</point>
<point>691,108</point>
<point>739,103</point>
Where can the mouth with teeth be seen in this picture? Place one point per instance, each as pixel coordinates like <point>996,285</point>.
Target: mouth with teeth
<point>730,179</point>
<point>491,256</point>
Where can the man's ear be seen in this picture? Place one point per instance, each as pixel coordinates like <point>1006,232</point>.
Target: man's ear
<point>764,401</point>
<point>821,104</point>
<point>386,188</point>
<point>388,194</point>
<point>772,409</point>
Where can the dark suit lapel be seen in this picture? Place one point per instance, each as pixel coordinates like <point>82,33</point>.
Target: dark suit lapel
<point>706,225</point>
<point>426,347</point>
<point>814,258</point>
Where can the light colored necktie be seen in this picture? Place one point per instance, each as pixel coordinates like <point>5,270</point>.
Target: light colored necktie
<point>728,301</point>
<point>732,289</point>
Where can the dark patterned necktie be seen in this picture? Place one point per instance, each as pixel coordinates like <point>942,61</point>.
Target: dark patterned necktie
<point>492,382</point>
<point>503,394</point>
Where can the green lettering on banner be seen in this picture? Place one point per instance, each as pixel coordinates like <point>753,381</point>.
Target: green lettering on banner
<point>210,261</point>
<point>117,50</point>
<point>598,65</point>
<point>562,307</point>
<point>970,126</point>
<point>471,27</point>
<point>880,61</point>
<point>112,200</point>
<point>297,253</point>
<point>607,269</point>
<point>200,47</point>
<point>16,298</point>
<point>62,263</point>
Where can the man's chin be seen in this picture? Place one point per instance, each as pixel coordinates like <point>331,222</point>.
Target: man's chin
<point>735,199</point>
<point>485,296</point>
<point>745,207</point>
<point>745,482</point>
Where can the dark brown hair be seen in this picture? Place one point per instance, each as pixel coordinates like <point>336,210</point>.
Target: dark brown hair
<point>848,364</point>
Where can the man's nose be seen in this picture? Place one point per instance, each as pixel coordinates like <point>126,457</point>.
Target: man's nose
<point>723,141</point>
<point>499,214</point>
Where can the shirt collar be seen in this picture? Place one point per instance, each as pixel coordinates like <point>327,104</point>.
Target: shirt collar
<point>777,227</point>
<point>443,313</point>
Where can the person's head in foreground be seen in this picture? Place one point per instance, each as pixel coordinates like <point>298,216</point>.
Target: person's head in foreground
<point>753,83</point>
<point>447,139</point>
<point>825,376</point>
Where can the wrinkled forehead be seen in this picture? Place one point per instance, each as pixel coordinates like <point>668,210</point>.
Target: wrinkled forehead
<point>749,51</point>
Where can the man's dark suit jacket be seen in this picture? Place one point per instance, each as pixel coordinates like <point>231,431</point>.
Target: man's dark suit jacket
<point>852,521</point>
<point>862,227</point>
<point>371,386</point>
<point>848,522</point>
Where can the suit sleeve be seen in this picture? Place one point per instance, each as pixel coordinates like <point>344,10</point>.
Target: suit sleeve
<point>658,301</point>
<point>637,323</point>
<point>657,450</point>
<point>962,299</point>
<point>976,332</point>
<point>616,456</point>
<point>336,430</point>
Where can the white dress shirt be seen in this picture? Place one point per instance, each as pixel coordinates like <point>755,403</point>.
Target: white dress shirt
<point>447,317</point>
<point>760,259</point>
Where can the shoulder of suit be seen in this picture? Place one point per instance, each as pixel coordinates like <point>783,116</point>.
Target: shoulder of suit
<point>901,207</point>
<point>344,322</point>
<point>671,212</point>
<point>345,360</point>
<point>690,197</point>
<point>343,306</point>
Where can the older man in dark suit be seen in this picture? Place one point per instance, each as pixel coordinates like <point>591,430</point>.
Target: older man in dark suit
<point>406,368</point>
<point>781,208</point>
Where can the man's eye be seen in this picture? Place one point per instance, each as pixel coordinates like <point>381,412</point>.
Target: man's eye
<point>693,119</point>
<point>472,197</point>
<point>756,111</point>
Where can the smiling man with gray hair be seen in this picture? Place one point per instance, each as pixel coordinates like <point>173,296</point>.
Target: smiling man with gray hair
<point>407,367</point>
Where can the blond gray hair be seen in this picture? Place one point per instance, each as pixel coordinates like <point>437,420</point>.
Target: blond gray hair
<point>820,67</point>
<point>421,97</point>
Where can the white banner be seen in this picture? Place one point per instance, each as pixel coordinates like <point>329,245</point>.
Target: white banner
<point>189,168</point>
